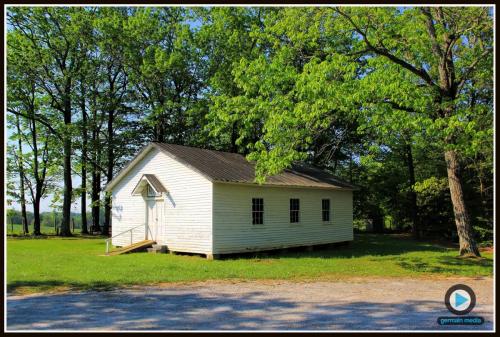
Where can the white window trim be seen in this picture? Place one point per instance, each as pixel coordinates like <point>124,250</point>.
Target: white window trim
<point>252,212</point>
<point>329,211</point>
<point>290,212</point>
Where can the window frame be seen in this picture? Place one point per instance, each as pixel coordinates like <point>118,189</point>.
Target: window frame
<point>257,211</point>
<point>294,212</point>
<point>326,211</point>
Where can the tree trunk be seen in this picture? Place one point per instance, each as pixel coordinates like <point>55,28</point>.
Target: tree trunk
<point>84,199</point>
<point>95,194</point>
<point>55,221</point>
<point>377,221</point>
<point>412,193</point>
<point>24,216</point>
<point>36,214</point>
<point>107,214</point>
<point>84,229</point>
<point>38,187</point>
<point>448,95</point>
<point>96,173</point>
<point>350,166</point>
<point>68,188</point>
<point>109,172</point>
<point>21,180</point>
<point>234,137</point>
<point>467,243</point>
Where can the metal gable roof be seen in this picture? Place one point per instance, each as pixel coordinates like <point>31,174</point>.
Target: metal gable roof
<point>218,166</point>
<point>232,167</point>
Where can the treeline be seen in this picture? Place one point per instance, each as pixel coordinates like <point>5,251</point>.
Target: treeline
<point>398,101</point>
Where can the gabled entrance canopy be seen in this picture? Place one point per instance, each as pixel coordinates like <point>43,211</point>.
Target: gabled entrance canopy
<point>149,180</point>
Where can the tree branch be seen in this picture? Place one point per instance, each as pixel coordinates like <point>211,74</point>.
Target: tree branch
<point>37,118</point>
<point>399,107</point>
<point>432,32</point>
<point>384,52</point>
<point>470,69</point>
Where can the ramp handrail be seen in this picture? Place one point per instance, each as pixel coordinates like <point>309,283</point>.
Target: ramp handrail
<point>108,240</point>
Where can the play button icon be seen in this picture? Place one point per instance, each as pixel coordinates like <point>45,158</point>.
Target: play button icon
<point>460,299</point>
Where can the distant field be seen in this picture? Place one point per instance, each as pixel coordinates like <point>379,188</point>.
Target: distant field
<point>76,263</point>
<point>17,229</point>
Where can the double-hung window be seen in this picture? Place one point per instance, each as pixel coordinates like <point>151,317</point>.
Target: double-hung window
<point>294,210</point>
<point>325,209</point>
<point>257,211</point>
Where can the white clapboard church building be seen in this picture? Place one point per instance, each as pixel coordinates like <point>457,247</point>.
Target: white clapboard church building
<point>201,201</point>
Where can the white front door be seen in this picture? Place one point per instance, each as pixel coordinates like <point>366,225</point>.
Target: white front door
<point>154,219</point>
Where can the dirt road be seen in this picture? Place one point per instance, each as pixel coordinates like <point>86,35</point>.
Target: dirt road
<point>378,304</point>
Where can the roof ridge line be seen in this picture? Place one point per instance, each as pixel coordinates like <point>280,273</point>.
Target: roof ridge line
<point>199,148</point>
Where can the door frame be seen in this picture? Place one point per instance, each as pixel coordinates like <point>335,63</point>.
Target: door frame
<point>147,231</point>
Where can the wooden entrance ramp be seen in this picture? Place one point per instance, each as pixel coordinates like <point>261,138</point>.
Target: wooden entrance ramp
<point>141,245</point>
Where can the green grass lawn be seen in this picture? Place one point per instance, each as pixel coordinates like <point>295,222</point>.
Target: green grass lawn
<point>76,263</point>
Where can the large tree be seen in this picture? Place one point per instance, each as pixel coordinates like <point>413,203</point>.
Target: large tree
<point>443,49</point>
<point>227,35</point>
<point>35,136</point>
<point>327,64</point>
<point>161,63</point>
<point>109,43</point>
<point>53,42</point>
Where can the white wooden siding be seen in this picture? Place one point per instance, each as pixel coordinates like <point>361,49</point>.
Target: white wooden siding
<point>187,207</point>
<point>232,222</point>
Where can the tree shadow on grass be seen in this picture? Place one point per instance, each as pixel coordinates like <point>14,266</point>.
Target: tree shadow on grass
<point>443,264</point>
<point>19,287</point>
<point>458,261</point>
<point>363,245</point>
<point>192,309</point>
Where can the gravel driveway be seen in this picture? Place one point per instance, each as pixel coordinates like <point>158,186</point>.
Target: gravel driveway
<point>379,304</point>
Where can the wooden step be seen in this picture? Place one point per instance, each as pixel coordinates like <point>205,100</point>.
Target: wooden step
<point>141,245</point>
